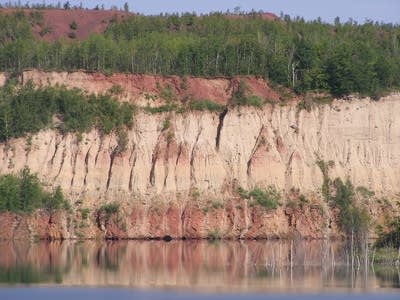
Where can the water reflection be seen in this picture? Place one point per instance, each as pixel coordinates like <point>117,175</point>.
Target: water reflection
<point>231,266</point>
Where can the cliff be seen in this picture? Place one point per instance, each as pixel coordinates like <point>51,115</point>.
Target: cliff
<point>168,180</point>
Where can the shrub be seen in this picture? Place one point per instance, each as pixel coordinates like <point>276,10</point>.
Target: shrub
<point>85,213</point>
<point>390,238</point>
<point>243,193</point>
<point>116,89</point>
<point>167,93</point>
<point>166,124</point>
<point>73,25</point>
<point>122,137</point>
<point>353,218</point>
<point>206,105</point>
<point>110,208</point>
<point>24,193</point>
<point>106,211</point>
<point>268,198</point>
<point>324,167</point>
<point>30,109</point>
<point>254,100</point>
<point>240,97</point>
<point>364,192</point>
<point>217,205</point>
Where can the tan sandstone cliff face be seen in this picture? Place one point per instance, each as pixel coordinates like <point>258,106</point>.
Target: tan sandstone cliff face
<point>3,79</point>
<point>210,155</point>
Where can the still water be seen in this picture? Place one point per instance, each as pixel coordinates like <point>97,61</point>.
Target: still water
<point>194,267</point>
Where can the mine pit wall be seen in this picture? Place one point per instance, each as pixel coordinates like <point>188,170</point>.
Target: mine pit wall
<point>166,180</point>
<point>274,146</point>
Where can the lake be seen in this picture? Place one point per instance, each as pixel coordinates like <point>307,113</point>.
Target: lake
<point>190,269</point>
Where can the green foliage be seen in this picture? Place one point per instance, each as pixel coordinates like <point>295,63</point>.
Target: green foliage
<point>24,193</point>
<point>243,193</point>
<point>106,211</point>
<point>22,273</point>
<point>45,30</point>
<point>214,234</point>
<point>73,25</point>
<point>109,208</point>
<point>166,124</point>
<point>195,193</point>
<point>206,105</point>
<point>385,255</point>
<point>324,167</point>
<point>217,204</point>
<point>56,201</point>
<point>122,138</point>
<point>28,109</point>
<point>240,97</point>
<point>116,89</point>
<point>364,192</point>
<point>354,218</point>
<point>268,198</point>
<point>341,59</point>
<point>167,93</point>
<point>391,238</point>
<point>254,100</point>
<point>161,109</point>
<point>85,212</point>
<point>344,193</point>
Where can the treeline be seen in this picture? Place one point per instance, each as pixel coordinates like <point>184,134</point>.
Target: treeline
<point>342,58</point>
<point>28,109</point>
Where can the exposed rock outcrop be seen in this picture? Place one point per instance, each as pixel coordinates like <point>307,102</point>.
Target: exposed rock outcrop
<point>156,176</point>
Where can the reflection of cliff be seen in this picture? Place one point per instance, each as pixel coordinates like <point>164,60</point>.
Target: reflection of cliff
<point>172,182</point>
<point>233,265</point>
<point>21,262</point>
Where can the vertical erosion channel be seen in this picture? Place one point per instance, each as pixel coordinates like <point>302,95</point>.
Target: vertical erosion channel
<point>220,125</point>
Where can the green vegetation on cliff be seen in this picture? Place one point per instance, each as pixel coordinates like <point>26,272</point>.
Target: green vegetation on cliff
<point>391,238</point>
<point>28,109</point>
<point>24,194</point>
<point>268,198</point>
<point>354,218</point>
<point>342,58</point>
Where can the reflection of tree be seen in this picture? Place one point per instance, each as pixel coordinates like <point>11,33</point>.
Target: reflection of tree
<point>389,276</point>
<point>110,255</point>
<point>27,263</point>
<point>227,265</point>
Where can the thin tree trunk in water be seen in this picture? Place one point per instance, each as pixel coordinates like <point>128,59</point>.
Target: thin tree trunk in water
<point>352,258</point>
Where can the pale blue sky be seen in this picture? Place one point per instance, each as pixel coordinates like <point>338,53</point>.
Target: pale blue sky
<point>387,11</point>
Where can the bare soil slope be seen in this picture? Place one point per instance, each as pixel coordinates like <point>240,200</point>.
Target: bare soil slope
<point>58,22</point>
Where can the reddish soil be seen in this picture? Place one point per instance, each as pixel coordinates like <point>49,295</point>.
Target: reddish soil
<point>266,16</point>
<point>59,20</point>
<point>88,21</point>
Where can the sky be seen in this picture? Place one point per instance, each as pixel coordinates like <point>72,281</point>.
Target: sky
<point>387,11</point>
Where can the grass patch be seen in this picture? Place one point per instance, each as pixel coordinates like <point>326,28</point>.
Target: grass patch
<point>161,108</point>
<point>206,105</point>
